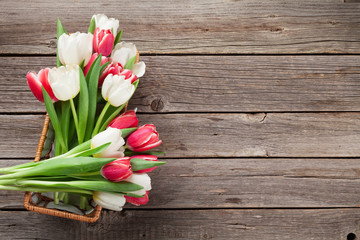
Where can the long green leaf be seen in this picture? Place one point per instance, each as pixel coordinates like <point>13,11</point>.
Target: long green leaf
<point>140,164</point>
<point>93,151</point>
<point>64,166</point>
<point>103,186</point>
<point>92,26</point>
<point>53,117</point>
<point>60,31</point>
<point>83,107</point>
<point>118,37</point>
<point>104,66</point>
<point>92,79</point>
<point>130,63</point>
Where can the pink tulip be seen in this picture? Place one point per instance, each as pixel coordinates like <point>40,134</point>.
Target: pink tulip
<point>117,170</point>
<point>125,120</point>
<point>147,158</point>
<point>138,201</point>
<point>36,81</point>
<point>112,68</point>
<point>129,75</point>
<point>103,41</point>
<point>92,59</point>
<point>143,139</point>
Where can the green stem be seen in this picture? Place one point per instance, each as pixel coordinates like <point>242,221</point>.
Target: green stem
<point>56,198</point>
<point>76,121</point>
<point>98,123</point>
<point>83,202</point>
<point>112,116</point>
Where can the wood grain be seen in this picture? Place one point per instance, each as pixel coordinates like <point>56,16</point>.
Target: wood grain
<point>216,84</point>
<point>188,224</point>
<point>242,183</point>
<point>221,135</point>
<point>216,26</point>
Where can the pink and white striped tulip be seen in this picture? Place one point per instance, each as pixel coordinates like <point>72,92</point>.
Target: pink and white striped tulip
<point>125,120</point>
<point>103,41</point>
<point>123,52</point>
<point>147,158</point>
<point>112,68</point>
<point>111,201</point>
<point>115,149</point>
<point>117,170</point>
<point>37,81</point>
<point>138,201</point>
<point>141,179</point>
<point>116,90</point>
<point>143,139</point>
<point>75,48</point>
<point>129,75</point>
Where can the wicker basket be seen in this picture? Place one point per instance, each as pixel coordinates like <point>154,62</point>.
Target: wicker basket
<point>31,206</point>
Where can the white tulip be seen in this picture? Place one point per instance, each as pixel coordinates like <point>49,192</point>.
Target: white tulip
<point>103,22</point>
<point>112,201</point>
<point>74,48</point>
<point>115,149</point>
<point>123,52</point>
<point>116,90</point>
<point>65,81</point>
<point>141,179</point>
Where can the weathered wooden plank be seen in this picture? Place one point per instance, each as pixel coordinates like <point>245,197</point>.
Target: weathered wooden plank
<point>307,26</point>
<point>243,183</point>
<point>188,224</point>
<point>216,84</point>
<point>221,135</point>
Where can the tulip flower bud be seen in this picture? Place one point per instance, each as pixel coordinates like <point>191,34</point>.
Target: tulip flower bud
<point>103,22</point>
<point>147,158</point>
<point>129,75</point>
<point>112,68</point>
<point>65,81</point>
<point>141,179</point>
<point>92,59</point>
<point>36,81</point>
<point>115,149</point>
<point>117,170</point>
<point>123,52</point>
<point>138,201</point>
<point>112,201</point>
<point>116,90</point>
<point>125,120</point>
<point>103,41</point>
<point>144,138</point>
<point>75,48</point>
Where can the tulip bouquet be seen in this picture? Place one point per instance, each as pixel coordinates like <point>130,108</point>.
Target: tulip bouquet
<point>97,156</point>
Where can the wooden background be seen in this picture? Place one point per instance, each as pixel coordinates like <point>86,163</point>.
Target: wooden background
<point>257,102</point>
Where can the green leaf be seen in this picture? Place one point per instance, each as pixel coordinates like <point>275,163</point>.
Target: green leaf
<point>102,185</point>
<point>133,195</point>
<point>92,26</point>
<point>83,107</point>
<point>92,78</point>
<point>60,31</point>
<point>93,151</point>
<point>102,68</point>
<point>82,64</point>
<point>140,164</point>
<point>53,117</point>
<point>130,63</point>
<point>127,131</point>
<point>65,122</point>
<point>118,37</point>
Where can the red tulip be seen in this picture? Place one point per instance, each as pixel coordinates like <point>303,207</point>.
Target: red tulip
<point>144,138</point>
<point>138,201</point>
<point>129,75</point>
<point>92,59</point>
<point>36,81</point>
<point>112,68</point>
<point>117,170</point>
<point>125,120</point>
<point>147,158</point>
<point>103,41</point>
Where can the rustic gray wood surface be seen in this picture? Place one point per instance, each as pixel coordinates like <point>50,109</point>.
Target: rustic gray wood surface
<point>257,102</point>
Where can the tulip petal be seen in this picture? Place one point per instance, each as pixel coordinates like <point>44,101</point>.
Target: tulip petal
<point>35,85</point>
<point>139,69</point>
